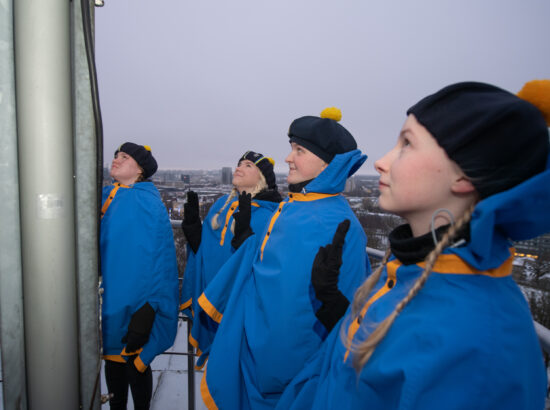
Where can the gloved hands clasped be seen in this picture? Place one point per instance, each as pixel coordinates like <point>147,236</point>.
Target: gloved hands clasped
<point>242,220</point>
<point>139,328</point>
<point>324,278</point>
<point>191,224</point>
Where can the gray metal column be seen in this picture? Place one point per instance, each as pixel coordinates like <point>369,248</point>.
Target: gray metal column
<point>11,283</point>
<point>44,121</point>
<point>86,216</point>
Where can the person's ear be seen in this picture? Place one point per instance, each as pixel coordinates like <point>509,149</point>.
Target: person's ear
<point>462,185</point>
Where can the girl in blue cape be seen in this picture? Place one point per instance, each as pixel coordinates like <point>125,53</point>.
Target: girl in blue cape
<point>139,277</point>
<point>263,297</point>
<point>441,323</point>
<point>253,199</point>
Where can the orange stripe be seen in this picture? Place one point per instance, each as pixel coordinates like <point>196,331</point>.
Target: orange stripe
<point>198,352</point>
<point>446,264</point>
<point>313,196</point>
<point>271,223</point>
<point>193,342</point>
<point>232,208</point>
<point>310,196</point>
<point>210,309</point>
<point>111,196</point>
<point>391,269</point>
<point>139,364</point>
<point>205,393</point>
<point>185,305</point>
<point>452,264</point>
<point>114,358</point>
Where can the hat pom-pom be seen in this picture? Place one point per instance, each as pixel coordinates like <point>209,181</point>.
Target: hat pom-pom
<point>537,92</point>
<point>332,113</point>
<point>147,147</point>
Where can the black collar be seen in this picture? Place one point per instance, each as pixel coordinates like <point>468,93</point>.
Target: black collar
<point>271,195</point>
<point>410,250</point>
<point>297,188</point>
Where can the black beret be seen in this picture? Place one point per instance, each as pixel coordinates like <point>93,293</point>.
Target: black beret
<point>483,129</point>
<point>142,155</point>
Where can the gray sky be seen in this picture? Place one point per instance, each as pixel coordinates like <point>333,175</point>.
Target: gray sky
<point>203,81</point>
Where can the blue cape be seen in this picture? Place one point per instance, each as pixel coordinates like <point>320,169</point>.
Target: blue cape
<point>264,299</point>
<point>466,340</point>
<point>215,249</point>
<point>138,265</point>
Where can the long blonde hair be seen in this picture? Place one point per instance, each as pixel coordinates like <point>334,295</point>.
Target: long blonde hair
<point>363,350</point>
<point>260,186</point>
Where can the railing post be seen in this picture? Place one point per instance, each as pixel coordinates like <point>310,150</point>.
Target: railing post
<point>190,368</point>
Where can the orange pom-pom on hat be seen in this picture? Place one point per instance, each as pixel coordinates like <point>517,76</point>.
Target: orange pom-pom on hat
<point>537,92</point>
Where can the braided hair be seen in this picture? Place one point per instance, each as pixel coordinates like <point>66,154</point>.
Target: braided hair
<point>364,350</point>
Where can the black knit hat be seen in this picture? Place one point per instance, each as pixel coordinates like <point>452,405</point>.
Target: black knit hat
<point>142,155</point>
<point>264,164</point>
<point>322,135</point>
<point>497,138</point>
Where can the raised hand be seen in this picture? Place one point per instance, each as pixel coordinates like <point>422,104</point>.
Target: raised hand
<point>324,278</point>
<point>191,224</point>
<point>242,220</point>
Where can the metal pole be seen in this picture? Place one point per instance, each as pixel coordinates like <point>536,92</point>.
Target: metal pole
<point>44,121</point>
<point>85,154</point>
<point>190,369</point>
<point>11,282</point>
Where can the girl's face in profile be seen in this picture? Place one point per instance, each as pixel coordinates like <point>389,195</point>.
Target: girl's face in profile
<point>417,177</point>
<point>125,169</point>
<point>246,176</point>
<point>303,165</point>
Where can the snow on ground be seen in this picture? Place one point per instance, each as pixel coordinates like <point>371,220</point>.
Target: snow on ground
<point>169,379</point>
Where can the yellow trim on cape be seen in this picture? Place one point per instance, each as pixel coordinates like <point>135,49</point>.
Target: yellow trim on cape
<point>139,364</point>
<point>185,305</point>
<point>114,358</point>
<point>452,264</point>
<point>312,196</point>
<point>209,308</point>
<point>205,393</point>
<point>195,344</point>
<point>111,196</point>
<point>446,264</point>
<point>354,326</point>
<point>230,212</point>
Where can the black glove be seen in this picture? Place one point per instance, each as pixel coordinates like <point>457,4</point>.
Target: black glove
<point>242,220</point>
<point>191,224</point>
<point>139,328</point>
<point>324,278</point>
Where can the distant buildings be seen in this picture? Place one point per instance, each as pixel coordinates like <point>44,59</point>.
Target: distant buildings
<point>227,176</point>
<point>351,185</point>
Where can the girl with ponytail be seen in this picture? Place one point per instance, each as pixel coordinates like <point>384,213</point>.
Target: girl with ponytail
<point>441,323</point>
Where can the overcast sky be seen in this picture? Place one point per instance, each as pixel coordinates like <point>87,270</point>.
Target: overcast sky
<point>203,81</point>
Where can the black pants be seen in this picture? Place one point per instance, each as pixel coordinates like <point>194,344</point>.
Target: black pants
<point>121,375</point>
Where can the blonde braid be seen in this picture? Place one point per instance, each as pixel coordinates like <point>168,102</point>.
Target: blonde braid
<point>364,291</point>
<point>214,221</point>
<point>364,350</point>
